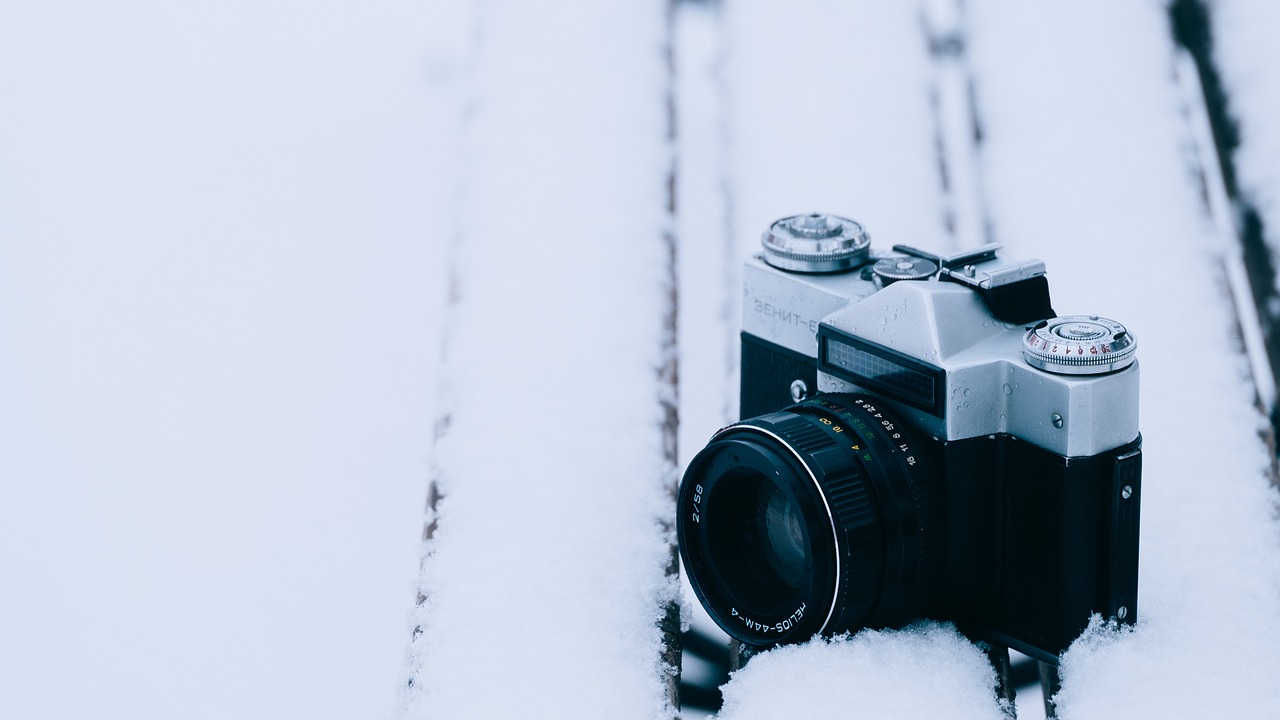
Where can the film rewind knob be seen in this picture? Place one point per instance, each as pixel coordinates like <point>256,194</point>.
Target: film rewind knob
<point>815,243</point>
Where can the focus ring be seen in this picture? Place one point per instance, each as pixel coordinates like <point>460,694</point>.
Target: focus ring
<point>925,498</point>
<point>862,561</point>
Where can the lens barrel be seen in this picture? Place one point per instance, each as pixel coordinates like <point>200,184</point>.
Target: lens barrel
<point>820,518</point>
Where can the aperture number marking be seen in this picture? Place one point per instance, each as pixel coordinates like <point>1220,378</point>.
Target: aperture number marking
<point>859,424</point>
<point>889,428</point>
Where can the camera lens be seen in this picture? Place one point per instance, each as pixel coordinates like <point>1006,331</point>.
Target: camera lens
<point>777,524</point>
<point>818,518</point>
<point>771,551</point>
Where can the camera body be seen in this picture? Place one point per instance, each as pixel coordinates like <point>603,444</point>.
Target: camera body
<point>1006,481</point>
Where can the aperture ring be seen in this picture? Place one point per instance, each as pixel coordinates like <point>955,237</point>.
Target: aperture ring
<point>912,514</point>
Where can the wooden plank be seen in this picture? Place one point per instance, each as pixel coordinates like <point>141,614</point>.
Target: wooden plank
<point>1234,57</point>
<point>217,289</point>
<point>547,584</point>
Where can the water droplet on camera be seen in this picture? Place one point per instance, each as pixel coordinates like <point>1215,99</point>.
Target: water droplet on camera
<point>966,392</point>
<point>1007,390</point>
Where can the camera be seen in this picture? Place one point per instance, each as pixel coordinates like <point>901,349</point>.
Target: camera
<point>922,437</point>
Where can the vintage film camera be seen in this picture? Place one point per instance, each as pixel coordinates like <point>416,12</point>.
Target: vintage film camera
<point>967,455</point>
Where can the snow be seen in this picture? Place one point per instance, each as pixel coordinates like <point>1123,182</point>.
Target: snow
<point>872,674</point>
<point>547,577</point>
<point>218,293</point>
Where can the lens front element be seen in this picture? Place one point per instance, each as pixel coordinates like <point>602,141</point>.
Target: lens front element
<point>777,525</point>
<point>818,518</point>
<point>765,545</point>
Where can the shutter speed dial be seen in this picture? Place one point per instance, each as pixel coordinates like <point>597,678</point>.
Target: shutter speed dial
<point>1079,345</point>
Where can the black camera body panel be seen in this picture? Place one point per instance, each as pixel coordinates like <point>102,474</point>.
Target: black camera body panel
<point>1036,543</point>
<point>772,370</point>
